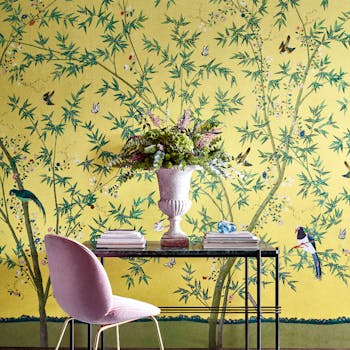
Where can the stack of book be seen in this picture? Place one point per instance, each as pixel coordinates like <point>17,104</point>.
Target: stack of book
<point>121,239</point>
<point>233,240</point>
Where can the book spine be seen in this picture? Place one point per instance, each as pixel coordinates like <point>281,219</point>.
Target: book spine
<point>121,241</point>
<point>121,247</point>
<point>119,244</point>
<point>121,235</point>
<point>120,238</point>
<point>122,231</point>
<point>231,234</point>
<point>231,239</point>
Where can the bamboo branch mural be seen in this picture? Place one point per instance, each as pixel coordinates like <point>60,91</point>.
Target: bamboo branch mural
<point>267,87</point>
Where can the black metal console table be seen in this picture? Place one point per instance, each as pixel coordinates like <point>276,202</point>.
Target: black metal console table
<point>153,250</point>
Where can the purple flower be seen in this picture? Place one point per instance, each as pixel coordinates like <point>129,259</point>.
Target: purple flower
<point>137,157</point>
<point>205,140</point>
<point>184,120</point>
<point>155,120</point>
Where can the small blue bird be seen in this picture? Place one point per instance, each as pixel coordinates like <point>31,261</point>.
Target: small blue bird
<point>26,196</point>
<point>307,242</point>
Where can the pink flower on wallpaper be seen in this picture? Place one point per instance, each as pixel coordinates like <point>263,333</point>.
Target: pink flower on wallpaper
<point>184,120</point>
<point>155,120</point>
<point>205,139</point>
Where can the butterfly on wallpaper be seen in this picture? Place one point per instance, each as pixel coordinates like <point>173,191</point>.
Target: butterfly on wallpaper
<point>347,175</point>
<point>47,97</point>
<point>342,233</point>
<point>170,263</point>
<point>95,108</point>
<point>284,46</point>
<point>242,158</point>
<point>205,50</point>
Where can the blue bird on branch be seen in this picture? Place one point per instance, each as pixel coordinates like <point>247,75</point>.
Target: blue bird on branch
<point>26,196</point>
<point>307,243</point>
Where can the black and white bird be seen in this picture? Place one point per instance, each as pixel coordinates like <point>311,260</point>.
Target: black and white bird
<point>307,242</point>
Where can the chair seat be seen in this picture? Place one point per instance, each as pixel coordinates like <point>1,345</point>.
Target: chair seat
<point>81,286</point>
<point>126,310</point>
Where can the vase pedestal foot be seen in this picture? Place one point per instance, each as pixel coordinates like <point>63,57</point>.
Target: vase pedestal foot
<point>175,242</point>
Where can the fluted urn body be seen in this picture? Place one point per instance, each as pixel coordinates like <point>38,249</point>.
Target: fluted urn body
<point>174,188</point>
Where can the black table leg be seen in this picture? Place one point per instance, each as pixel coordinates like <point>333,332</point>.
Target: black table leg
<point>89,336</point>
<point>101,336</point>
<point>277,301</point>
<point>71,335</point>
<point>258,300</point>
<point>246,321</point>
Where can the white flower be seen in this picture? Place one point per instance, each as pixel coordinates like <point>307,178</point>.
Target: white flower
<point>159,226</point>
<point>92,180</point>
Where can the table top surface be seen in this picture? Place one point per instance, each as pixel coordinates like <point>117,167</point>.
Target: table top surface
<point>153,249</point>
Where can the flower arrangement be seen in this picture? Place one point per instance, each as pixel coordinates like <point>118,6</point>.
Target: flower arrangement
<point>189,142</point>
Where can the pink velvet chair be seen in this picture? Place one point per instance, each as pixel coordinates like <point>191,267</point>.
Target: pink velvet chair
<point>82,289</point>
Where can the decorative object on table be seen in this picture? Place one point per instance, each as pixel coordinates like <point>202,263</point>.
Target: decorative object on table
<point>121,239</point>
<point>173,152</point>
<point>174,188</point>
<point>231,240</point>
<point>226,227</point>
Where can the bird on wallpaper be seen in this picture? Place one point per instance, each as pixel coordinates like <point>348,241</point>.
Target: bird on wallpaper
<point>95,108</point>
<point>346,251</point>
<point>47,97</point>
<point>26,196</point>
<point>242,158</point>
<point>347,175</point>
<point>307,243</point>
<point>170,263</point>
<point>205,50</point>
<point>284,46</point>
<point>342,233</point>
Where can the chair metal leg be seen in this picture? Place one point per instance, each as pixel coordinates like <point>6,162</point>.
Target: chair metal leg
<point>65,324</point>
<point>99,332</point>
<point>103,328</point>
<point>97,338</point>
<point>117,334</point>
<point>161,346</point>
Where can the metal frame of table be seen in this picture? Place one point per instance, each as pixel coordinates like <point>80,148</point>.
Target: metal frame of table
<point>154,250</point>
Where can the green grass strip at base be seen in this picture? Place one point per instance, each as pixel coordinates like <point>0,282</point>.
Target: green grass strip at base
<point>338,320</point>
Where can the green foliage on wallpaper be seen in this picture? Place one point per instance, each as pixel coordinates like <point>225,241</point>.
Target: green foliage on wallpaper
<point>285,130</point>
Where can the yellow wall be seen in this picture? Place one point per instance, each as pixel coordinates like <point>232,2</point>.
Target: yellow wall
<point>34,28</point>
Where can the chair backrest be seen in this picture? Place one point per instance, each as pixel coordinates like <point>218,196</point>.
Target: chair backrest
<point>79,281</point>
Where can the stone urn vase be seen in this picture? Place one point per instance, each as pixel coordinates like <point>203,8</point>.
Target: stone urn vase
<point>174,187</point>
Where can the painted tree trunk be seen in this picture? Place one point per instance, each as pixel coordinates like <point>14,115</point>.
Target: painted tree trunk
<point>33,265</point>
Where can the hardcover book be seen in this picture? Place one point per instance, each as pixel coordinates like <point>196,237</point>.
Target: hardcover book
<point>115,239</point>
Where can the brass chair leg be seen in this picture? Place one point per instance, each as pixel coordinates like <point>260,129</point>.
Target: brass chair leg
<point>103,328</point>
<point>161,346</point>
<point>97,338</point>
<point>65,324</point>
<point>117,334</point>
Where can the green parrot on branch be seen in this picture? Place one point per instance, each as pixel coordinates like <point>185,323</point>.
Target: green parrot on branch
<point>26,196</point>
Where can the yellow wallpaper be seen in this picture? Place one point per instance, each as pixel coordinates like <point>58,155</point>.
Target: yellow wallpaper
<point>76,75</point>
